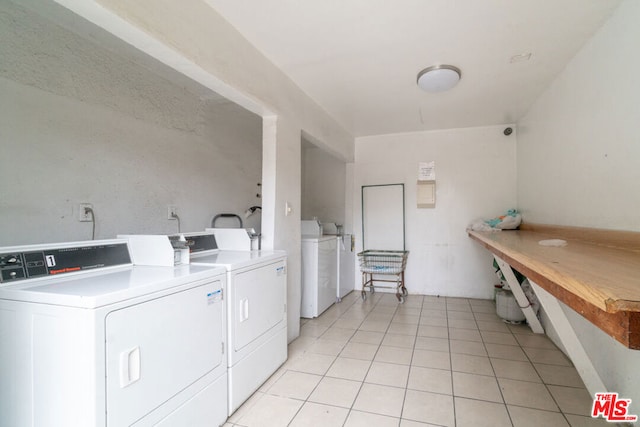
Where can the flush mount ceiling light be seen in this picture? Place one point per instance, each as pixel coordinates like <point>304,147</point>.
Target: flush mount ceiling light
<point>438,78</point>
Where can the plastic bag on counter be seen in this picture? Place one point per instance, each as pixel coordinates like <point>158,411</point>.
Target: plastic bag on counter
<point>510,221</point>
<point>480,225</point>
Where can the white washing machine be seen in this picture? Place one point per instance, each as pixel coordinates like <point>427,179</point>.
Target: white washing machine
<point>256,312</point>
<point>320,257</point>
<point>88,339</point>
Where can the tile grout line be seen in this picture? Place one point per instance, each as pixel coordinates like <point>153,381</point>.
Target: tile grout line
<point>546,386</point>
<point>495,375</point>
<point>366,373</point>
<point>413,349</point>
<point>453,392</point>
<point>306,400</point>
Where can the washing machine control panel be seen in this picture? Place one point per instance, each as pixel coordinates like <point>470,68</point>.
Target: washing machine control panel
<point>40,263</point>
<point>201,243</point>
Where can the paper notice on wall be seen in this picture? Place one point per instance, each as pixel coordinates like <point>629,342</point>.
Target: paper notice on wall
<point>427,171</point>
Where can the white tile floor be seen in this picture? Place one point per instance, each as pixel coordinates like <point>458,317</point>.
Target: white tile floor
<point>428,362</point>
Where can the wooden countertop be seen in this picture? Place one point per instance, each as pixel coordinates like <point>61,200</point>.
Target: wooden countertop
<point>597,273</point>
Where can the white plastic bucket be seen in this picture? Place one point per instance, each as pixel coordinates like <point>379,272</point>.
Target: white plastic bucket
<point>507,307</point>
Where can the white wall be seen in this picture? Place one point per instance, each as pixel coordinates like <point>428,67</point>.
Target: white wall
<point>323,185</point>
<point>579,163</point>
<point>80,123</point>
<point>475,178</point>
<point>578,146</point>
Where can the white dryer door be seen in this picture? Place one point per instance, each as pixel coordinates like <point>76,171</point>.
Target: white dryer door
<point>259,297</point>
<point>157,348</point>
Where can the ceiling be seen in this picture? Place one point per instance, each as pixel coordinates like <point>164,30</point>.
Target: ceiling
<point>358,59</point>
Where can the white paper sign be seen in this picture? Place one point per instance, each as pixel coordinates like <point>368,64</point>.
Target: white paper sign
<point>427,171</point>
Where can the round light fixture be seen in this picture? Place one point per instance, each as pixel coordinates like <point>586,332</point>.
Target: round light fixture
<point>438,78</point>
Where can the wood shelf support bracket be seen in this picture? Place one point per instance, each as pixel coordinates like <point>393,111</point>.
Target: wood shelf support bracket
<point>570,340</point>
<point>521,298</point>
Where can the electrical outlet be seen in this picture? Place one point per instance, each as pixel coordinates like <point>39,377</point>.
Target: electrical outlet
<point>84,212</point>
<point>172,212</point>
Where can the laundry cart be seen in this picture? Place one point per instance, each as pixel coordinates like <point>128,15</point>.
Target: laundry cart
<point>377,263</point>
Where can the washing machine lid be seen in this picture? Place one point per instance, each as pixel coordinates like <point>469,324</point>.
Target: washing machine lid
<point>233,260</point>
<point>104,287</point>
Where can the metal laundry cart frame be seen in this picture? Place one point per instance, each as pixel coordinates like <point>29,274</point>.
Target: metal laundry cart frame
<point>384,263</point>
<point>375,263</point>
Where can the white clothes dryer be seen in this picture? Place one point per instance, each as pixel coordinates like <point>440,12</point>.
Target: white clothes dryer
<point>88,339</point>
<point>256,299</point>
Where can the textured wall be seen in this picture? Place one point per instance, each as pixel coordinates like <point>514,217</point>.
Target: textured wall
<point>80,123</point>
<point>40,54</point>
